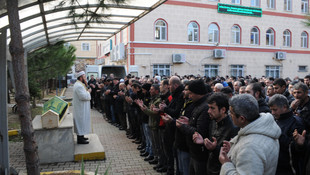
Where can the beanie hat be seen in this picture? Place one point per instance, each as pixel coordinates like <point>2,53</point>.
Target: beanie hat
<point>146,86</point>
<point>197,87</point>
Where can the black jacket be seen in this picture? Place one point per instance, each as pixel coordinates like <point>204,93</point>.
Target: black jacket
<point>223,130</point>
<point>199,122</point>
<point>263,106</point>
<point>176,104</point>
<point>288,96</point>
<point>180,137</point>
<point>288,123</point>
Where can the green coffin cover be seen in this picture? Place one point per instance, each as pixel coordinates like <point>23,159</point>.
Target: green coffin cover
<point>57,105</point>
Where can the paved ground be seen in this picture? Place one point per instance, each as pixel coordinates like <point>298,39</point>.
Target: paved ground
<point>121,153</point>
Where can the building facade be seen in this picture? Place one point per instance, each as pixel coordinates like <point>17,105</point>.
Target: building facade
<point>215,37</point>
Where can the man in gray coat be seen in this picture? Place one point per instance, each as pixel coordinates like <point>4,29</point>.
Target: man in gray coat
<point>81,108</point>
<point>255,149</point>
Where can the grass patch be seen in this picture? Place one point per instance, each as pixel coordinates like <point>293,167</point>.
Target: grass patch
<point>17,138</point>
<point>36,111</point>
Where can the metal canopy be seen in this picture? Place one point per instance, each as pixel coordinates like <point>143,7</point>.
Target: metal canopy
<point>43,24</point>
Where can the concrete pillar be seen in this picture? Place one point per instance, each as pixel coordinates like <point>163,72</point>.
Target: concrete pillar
<point>4,148</point>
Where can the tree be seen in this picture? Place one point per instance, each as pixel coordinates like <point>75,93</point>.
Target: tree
<point>22,92</point>
<point>88,15</point>
<point>46,63</point>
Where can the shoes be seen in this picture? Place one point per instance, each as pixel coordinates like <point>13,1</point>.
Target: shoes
<point>132,137</point>
<point>148,158</point>
<point>140,147</point>
<point>145,154</point>
<point>162,170</point>
<point>158,166</point>
<point>137,141</point>
<point>82,141</point>
<point>142,150</point>
<point>121,128</point>
<point>154,161</point>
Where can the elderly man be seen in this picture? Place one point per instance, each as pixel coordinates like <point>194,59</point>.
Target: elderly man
<point>301,106</point>
<point>289,158</point>
<point>81,108</point>
<point>255,149</point>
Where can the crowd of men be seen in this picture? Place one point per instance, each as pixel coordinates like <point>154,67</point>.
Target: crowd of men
<point>220,125</point>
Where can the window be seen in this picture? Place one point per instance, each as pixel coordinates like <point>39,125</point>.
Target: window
<point>67,45</point>
<point>288,5</point>
<point>213,33</point>
<point>161,69</point>
<point>270,37</point>
<point>270,4</point>
<point>304,40</point>
<point>211,70</point>
<point>161,30</point>
<point>255,3</point>
<point>254,36</point>
<point>193,32</point>
<point>235,34</point>
<point>287,38</point>
<point>85,47</point>
<point>235,1</point>
<point>304,6</point>
<point>302,68</point>
<point>273,71</point>
<point>236,70</point>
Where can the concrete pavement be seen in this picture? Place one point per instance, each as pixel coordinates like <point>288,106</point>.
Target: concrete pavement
<point>121,153</point>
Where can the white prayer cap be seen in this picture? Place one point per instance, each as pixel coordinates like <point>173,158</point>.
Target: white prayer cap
<point>77,75</point>
<point>122,80</point>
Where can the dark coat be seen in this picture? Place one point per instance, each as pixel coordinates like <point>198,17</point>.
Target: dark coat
<point>288,96</point>
<point>223,130</point>
<point>199,122</point>
<point>176,104</point>
<point>180,137</point>
<point>263,106</point>
<point>288,123</point>
<point>304,113</point>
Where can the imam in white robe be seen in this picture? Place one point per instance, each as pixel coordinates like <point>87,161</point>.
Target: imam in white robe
<point>81,109</point>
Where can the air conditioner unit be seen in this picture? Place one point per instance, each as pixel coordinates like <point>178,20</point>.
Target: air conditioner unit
<point>280,55</point>
<point>219,53</point>
<point>178,58</point>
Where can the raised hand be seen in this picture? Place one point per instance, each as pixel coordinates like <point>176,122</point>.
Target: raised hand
<point>197,138</point>
<point>299,139</point>
<point>210,145</point>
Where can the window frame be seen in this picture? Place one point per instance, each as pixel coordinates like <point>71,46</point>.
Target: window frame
<point>213,35</point>
<point>274,37</point>
<point>234,34</point>
<point>165,68</point>
<point>302,70</point>
<point>82,46</point>
<point>275,69</point>
<point>304,39</point>
<point>303,9</point>
<point>235,2</point>
<point>287,38</point>
<point>160,30</point>
<point>211,68</point>
<point>237,68</point>
<point>288,4</point>
<point>256,2</point>
<point>193,30</point>
<point>258,36</point>
<point>269,4</point>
